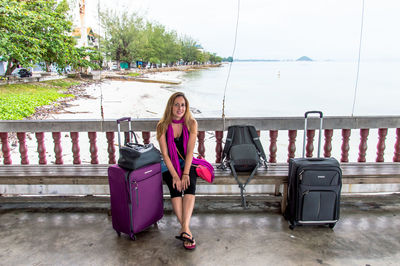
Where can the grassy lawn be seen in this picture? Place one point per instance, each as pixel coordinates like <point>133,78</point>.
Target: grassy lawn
<point>18,101</point>
<point>134,74</point>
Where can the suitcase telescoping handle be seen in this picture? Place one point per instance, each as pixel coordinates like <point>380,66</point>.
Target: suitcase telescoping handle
<point>119,128</point>
<point>305,130</point>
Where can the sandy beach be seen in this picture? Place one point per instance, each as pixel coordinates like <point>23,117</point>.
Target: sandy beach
<point>145,100</point>
<point>122,98</point>
<point>119,99</point>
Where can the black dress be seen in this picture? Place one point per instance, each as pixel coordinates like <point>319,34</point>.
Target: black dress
<point>167,177</point>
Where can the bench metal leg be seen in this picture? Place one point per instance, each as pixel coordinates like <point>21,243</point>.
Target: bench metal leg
<point>277,189</point>
<point>244,204</point>
<point>284,198</point>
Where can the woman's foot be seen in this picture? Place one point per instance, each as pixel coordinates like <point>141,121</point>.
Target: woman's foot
<point>189,246</point>
<point>184,237</point>
<point>188,241</point>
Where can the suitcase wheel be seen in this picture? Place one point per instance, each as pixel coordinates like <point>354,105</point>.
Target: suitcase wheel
<point>132,236</point>
<point>291,227</point>
<point>118,233</point>
<point>332,225</point>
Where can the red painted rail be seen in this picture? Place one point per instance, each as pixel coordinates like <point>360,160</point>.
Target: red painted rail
<point>343,126</point>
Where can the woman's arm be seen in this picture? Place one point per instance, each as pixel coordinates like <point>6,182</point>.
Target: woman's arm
<point>176,181</point>
<point>189,155</point>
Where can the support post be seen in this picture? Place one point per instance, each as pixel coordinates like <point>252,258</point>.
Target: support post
<point>218,148</point>
<point>382,132</point>
<point>5,148</point>
<point>273,136</point>
<point>41,147</point>
<point>201,149</point>
<point>23,150</point>
<point>310,142</point>
<point>93,147</point>
<point>57,147</point>
<point>345,145</point>
<point>75,147</point>
<point>292,144</point>
<point>364,132</point>
<point>328,142</point>
<point>111,147</point>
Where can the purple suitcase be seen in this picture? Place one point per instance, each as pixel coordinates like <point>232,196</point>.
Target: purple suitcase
<point>136,200</point>
<point>136,196</point>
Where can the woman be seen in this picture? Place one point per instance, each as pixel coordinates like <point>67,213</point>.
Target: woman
<point>176,133</point>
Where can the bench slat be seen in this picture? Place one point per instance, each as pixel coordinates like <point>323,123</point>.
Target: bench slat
<point>353,173</point>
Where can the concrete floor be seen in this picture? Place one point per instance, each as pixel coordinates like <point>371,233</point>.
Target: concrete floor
<point>367,234</point>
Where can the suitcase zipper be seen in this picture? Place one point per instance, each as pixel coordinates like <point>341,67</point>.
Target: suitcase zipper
<point>318,169</point>
<point>301,174</point>
<point>135,185</point>
<point>127,183</point>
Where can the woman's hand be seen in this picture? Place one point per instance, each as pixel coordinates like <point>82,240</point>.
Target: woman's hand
<point>185,181</point>
<point>177,183</point>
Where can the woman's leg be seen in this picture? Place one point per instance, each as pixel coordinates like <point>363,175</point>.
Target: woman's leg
<point>187,210</point>
<point>176,196</point>
<point>188,204</point>
<point>177,207</point>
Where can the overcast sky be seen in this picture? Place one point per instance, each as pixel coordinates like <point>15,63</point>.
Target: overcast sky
<point>276,29</point>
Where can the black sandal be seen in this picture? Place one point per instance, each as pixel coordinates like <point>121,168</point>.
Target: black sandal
<point>183,238</point>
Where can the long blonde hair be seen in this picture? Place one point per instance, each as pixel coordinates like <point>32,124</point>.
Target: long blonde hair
<point>162,125</point>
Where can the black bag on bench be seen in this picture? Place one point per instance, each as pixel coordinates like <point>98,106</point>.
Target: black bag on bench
<point>243,152</point>
<point>133,155</point>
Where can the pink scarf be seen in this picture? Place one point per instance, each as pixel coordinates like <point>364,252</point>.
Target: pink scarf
<point>173,151</point>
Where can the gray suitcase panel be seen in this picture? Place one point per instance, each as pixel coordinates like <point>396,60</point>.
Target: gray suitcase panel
<point>318,206</point>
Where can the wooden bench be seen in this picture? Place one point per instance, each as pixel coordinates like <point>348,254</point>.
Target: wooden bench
<point>276,174</point>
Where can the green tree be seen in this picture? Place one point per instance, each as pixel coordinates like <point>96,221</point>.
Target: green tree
<point>123,36</point>
<point>84,57</point>
<point>215,59</point>
<point>57,42</point>
<point>38,31</point>
<point>155,45</point>
<point>172,48</point>
<point>200,57</point>
<point>129,37</point>
<point>228,59</point>
<point>189,50</point>
<point>19,43</point>
<point>206,56</point>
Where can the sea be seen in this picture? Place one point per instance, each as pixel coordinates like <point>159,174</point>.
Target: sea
<point>289,88</point>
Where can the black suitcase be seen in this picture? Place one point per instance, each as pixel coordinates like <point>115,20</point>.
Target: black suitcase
<point>314,187</point>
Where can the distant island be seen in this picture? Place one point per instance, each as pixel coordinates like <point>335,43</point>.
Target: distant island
<point>304,58</point>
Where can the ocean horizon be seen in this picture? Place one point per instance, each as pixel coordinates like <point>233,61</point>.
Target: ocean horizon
<point>290,88</point>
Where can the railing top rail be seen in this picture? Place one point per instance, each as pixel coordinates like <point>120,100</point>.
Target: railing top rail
<point>205,124</point>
